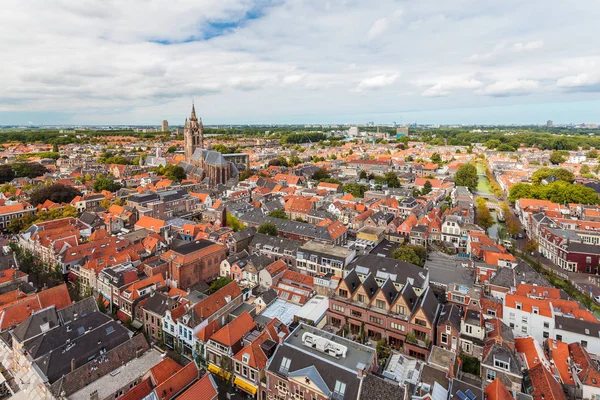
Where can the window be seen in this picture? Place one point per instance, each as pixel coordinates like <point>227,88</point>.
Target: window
<point>524,329</point>
<point>501,364</point>
<point>361,298</point>
<point>491,312</point>
<point>343,293</point>
<point>401,310</point>
<point>524,319</point>
<point>448,328</point>
<point>519,306</point>
<point>546,335</point>
<point>337,307</point>
<point>396,326</point>
<point>355,314</point>
<point>282,386</point>
<point>237,368</point>
<point>491,375</point>
<point>285,365</point>
<point>375,320</point>
<point>559,338</point>
<point>584,343</point>
<point>535,310</point>
<point>340,389</point>
<point>380,304</point>
<point>420,322</point>
<point>469,329</point>
<point>444,338</point>
<point>546,325</point>
<point>511,316</point>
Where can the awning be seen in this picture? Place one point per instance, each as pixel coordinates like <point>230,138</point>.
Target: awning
<point>218,371</point>
<point>245,386</point>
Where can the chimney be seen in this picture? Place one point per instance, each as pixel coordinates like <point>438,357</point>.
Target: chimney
<point>139,352</point>
<point>73,366</point>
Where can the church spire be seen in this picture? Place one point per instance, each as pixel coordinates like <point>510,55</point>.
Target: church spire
<point>193,116</point>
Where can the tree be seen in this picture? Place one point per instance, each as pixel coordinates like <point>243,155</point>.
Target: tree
<point>58,193</point>
<point>519,191</point>
<point>391,179</point>
<point>584,170</point>
<point>268,228</point>
<point>106,183</point>
<point>294,160</point>
<point>362,174</point>
<point>492,144</point>
<point>172,149</point>
<point>427,187</point>
<point>556,157</point>
<point>484,216</point>
<point>466,175</point>
<point>531,246</point>
<point>560,173</point>
<point>412,254</point>
<point>245,174</point>
<point>278,162</point>
<point>6,173</point>
<point>592,154</point>
<point>232,222</point>
<point>279,213</point>
<point>355,189</point>
<point>221,148</point>
<point>28,170</point>
<point>172,172</point>
<point>436,158</point>
<point>219,283</point>
<point>320,174</point>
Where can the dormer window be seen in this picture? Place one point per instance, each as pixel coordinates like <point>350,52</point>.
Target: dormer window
<point>519,306</point>
<point>501,364</point>
<point>246,358</point>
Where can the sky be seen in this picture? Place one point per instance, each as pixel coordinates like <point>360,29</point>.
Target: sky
<point>299,61</point>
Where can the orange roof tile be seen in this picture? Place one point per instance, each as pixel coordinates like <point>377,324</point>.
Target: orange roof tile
<point>177,382</point>
<point>139,391</point>
<point>560,355</point>
<point>233,332</point>
<point>497,391</point>
<point>545,385</point>
<point>205,389</point>
<point>164,370</point>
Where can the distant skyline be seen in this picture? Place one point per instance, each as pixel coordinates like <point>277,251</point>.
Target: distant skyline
<point>299,62</point>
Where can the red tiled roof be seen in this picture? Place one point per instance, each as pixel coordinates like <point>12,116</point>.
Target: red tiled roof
<point>233,332</point>
<point>177,382</point>
<point>545,385</point>
<point>139,391</point>
<point>164,370</point>
<point>205,389</point>
<point>497,391</point>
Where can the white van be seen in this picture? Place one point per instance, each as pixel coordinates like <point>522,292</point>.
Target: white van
<point>507,244</point>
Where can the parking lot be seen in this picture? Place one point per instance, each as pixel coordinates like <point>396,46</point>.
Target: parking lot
<point>447,269</point>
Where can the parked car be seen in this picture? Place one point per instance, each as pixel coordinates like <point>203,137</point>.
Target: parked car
<point>597,299</point>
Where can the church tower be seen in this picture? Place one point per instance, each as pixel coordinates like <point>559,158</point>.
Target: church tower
<point>193,135</point>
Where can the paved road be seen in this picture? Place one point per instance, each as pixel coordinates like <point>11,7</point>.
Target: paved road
<point>447,269</point>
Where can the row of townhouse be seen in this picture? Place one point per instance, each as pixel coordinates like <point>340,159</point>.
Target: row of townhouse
<point>382,298</point>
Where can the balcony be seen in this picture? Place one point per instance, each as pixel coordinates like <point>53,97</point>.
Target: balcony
<point>421,341</point>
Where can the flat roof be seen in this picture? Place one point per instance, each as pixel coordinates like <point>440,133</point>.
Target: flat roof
<point>314,309</point>
<point>282,310</point>
<point>326,249</point>
<point>120,377</point>
<point>356,354</point>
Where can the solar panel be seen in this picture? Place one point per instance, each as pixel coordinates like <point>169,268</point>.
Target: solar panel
<point>470,394</point>
<point>461,395</point>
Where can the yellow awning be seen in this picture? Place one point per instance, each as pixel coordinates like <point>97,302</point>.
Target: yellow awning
<point>219,371</point>
<point>245,386</point>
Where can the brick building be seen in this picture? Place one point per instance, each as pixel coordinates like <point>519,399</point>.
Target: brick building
<point>194,262</point>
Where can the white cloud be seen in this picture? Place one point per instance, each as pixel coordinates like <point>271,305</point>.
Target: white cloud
<point>381,25</point>
<point>445,86</point>
<point>90,60</point>
<point>511,88</point>
<point>533,45</point>
<point>376,82</point>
